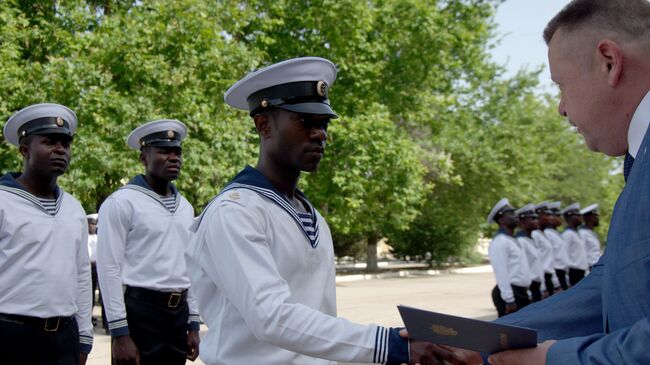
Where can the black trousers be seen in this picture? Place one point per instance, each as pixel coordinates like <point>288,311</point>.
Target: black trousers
<point>157,325</point>
<point>561,276</point>
<point>548,280</point>
<point>521,298</point>
<point>26,342</point>
<point>535,290</point>
<point>575,275</point>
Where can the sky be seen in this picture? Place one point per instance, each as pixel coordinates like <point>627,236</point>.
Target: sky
<point>520,27</point>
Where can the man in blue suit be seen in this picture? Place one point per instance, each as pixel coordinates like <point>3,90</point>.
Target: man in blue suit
<point>599,55</point>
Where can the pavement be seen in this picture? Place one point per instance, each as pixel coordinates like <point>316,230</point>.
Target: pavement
<point>373,299</point>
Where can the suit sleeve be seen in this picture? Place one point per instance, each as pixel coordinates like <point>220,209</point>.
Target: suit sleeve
<point>84,294</point>
<point>498,253</point>
<point>626,346</point>
<point>113,227</point>
<point>236,256</point>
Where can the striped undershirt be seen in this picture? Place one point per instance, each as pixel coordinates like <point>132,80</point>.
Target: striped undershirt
<point>308,225</point>
<point>170,202</point>
<point>49,205</point>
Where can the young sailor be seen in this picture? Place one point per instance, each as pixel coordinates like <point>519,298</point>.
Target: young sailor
<point>591,220</point>
<point>45,302</point>
<point>545,247</point>
<point>576,247</point>
<point>528,223</point>
<point>561,256</point>
<point>261,258</point>
<point>509,261</point>
<point>143,232</point>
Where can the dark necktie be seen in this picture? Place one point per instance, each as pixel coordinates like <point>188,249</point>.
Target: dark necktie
<point>627,165</point>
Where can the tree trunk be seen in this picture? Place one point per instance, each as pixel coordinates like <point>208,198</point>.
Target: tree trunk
<point>371,260</point>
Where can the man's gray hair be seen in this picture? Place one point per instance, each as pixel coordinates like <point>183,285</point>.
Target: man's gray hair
<point>629,19</point>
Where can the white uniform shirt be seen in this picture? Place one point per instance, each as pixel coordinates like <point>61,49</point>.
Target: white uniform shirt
<point>546,254</point>
<point>510,264</point>
<point>534,260</point>
<point>592,245</point>
<point>141,244</point>
<point>44,267</point>
<point>266,289</point>
<point>576,248</point>
<point>559,248</point>
<point>92,247</point>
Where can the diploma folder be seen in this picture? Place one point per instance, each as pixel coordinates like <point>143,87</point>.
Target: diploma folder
<point>471,334</point>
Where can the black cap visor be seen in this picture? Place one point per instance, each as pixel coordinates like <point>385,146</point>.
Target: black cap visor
<point>310,108</point>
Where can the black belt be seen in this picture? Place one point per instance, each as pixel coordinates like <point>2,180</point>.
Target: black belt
<point>52,324</point>
<point>160,298</point>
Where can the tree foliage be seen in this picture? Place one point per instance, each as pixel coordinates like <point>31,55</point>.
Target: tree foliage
<point>431,134</point>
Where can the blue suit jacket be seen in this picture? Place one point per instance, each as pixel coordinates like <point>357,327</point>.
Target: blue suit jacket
<point>605,319</point>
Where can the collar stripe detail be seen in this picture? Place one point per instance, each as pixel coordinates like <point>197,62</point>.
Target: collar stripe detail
<point>155,196</point>
<point>49,206</point>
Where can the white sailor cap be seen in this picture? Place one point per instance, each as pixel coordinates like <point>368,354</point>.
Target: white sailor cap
<point>158,133</point>
<point>571,209</point>
<point>40,119</point>
<point>92,216</point>
<point>499,208</point>
<point>542,208</point>
<point>554,206</point>
<point>527,211</point>
<point>592,209</point>
<point>298,85</point>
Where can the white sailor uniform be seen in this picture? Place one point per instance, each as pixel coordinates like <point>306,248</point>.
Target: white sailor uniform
<point>577,253</point>
<point>44,261</point>
<point>560,254</point>
<point>511,270</point>
<point>592,245</point>
<point>265,283</point>
<point>141,243</point>
<point>538,285</point>
<point>547,257</point>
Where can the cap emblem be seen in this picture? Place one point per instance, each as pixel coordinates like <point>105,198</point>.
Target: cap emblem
<point>321,88</point>
<point>59,121</point>
<point>265,103</point>
<point>170,134</point>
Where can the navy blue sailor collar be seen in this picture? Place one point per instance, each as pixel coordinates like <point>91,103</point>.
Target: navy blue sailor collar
<point>250,178</point>
<point>139,183</point>
<point>9,183</point>
<point>501,231</point>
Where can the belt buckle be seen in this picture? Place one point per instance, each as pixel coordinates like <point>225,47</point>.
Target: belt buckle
<point>174,300</point>
<point>48,327</point>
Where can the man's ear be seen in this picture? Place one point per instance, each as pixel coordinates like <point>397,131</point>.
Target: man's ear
<point>143,157</point>
<point>263,125</point>
<point>24,150</point>
<point>609,56</point>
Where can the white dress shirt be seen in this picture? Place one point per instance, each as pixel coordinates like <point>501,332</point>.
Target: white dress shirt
<point>266,288</point>
<point>560,252</point>
<point>546,254</point>
<point>592,245</point>
<point>638,126</point>
<point>510,264</point>
<point>576,248</point>
<point>141,244</point>
<point>44,266</point>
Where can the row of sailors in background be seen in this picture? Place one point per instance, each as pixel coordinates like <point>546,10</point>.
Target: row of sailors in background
<point>537,260</point>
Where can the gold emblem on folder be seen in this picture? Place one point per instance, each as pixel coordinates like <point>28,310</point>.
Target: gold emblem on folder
<point>443,331</point>
<point>503,340</point>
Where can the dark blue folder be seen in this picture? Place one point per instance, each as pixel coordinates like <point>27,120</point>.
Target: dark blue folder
<point>466,333</point>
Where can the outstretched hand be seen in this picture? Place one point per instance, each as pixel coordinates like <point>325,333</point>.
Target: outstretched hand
<point>427,353</point>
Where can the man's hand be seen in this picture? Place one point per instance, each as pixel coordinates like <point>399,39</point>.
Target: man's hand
<point>125,352</point>
<point>82,358</point>
<point>511,307</point>
<point>534,356</point>
<point>193,341</point>
<point>426,353</point>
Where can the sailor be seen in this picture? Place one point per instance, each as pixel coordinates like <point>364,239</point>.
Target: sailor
<point>545,247</point>
<point>143,232</point>
<point>576,246</point>
<point>561,256</point>
<point>45,303</point>
<point>509,261</point>
<point>591,220</point>
<point>262,258</point>
<point>528,222</point>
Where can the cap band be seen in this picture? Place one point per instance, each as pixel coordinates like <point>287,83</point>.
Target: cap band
<point>45,125</point>
<point>290,93</point>
<point>161,139</point>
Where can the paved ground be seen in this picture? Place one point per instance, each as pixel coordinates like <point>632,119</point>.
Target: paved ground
<point>374,301</point>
